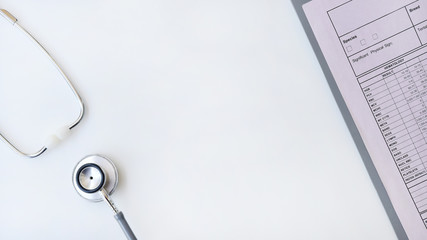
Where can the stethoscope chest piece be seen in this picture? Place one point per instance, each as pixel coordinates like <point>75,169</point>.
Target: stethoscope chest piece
<point>93,173</point>
<point>95,178</point>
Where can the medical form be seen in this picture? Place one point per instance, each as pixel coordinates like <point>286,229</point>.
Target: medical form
<point>377,53</point>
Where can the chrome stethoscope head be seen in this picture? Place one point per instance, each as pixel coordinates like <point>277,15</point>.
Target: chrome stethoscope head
<point>95,178</point>
<point>63,132</point>
<point>92,175</point>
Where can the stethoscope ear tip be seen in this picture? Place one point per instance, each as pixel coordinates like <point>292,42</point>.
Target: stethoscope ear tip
<point>52,141</point>
<point>60,134</point>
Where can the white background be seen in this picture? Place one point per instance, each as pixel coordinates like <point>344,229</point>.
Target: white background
<point>216,113</point>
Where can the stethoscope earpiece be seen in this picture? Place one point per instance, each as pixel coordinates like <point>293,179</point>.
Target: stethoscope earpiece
<point>63,132</point>
<point>95,178</point>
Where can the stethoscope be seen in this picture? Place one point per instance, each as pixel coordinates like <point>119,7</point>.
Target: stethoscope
<point>95,177</point>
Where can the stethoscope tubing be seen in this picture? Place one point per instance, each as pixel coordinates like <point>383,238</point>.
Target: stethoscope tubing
<point>120,217</point>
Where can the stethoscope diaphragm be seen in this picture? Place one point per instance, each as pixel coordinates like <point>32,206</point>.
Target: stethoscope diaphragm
<point>90,178</point>
<point>93,173</point>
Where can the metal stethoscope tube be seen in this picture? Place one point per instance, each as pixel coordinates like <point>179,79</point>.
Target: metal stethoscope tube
<point>63,132</point>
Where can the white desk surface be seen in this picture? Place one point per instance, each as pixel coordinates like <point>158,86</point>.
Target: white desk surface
<point>216,113</point>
